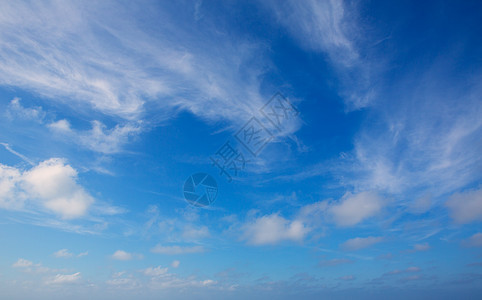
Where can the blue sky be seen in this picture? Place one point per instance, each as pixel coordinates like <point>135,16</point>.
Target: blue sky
<point>369,187</point>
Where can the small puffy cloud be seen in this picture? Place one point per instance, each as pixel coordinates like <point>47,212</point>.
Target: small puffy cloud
<point>51,184</point>
<point>172,250</point>
<point>354,208</point>
<point>55,183</point>
<point>360,243</point>
<point>64,278</point>
<point>62,126</point>
<point>30,267</point>
<point>208,282</point>
<point>466,207</point>
<point>122,255</point>
<point>421,247</point>
<point>63,253</point>
<point>155,272</point>
<point>272,229</point>
<point>474,241</point>
<point>22,263</point>
<point>175,264</point>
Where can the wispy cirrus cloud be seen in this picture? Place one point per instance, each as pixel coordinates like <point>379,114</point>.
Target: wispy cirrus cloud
<point>95,57</point>
<point>332,28</point>
<point>65,253</point>
<point>64,278</point>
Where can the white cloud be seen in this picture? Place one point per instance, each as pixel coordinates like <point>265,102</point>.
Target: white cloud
<point>64,278</point>
<point>157,271</point>
<point>421,247</point>
<point>63,253</point>
<point>22,263</point>
<point>51,183</point>
<point>30,267</point>
<point>16,110</point>
<point>360,243</point>
<point>171,250</point>
<point>55,184</point>
<point>83,254</point>
<point>10,196</point>
<point>331,27</point>
<point>272,229</point>
<point>62,126</point>
<point>99,138</point>
<point>122,255</point>
<point>175,264</point>
<point>355,208</point>
<point>193,233</point>
<point>466,207</point>
<point>23,157</point>
<point>415,147</point>
<point>474,241</point>
<point>319,25</point>
<point>131,73</point>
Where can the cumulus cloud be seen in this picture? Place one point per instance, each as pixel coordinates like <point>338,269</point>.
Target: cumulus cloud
<point>354,208</point>
<point>171,250</point>
<point>123,255</point>
<point>466,207</point>
<point>272,229</point>
<point>51,183</point>
<point>360,243</point>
